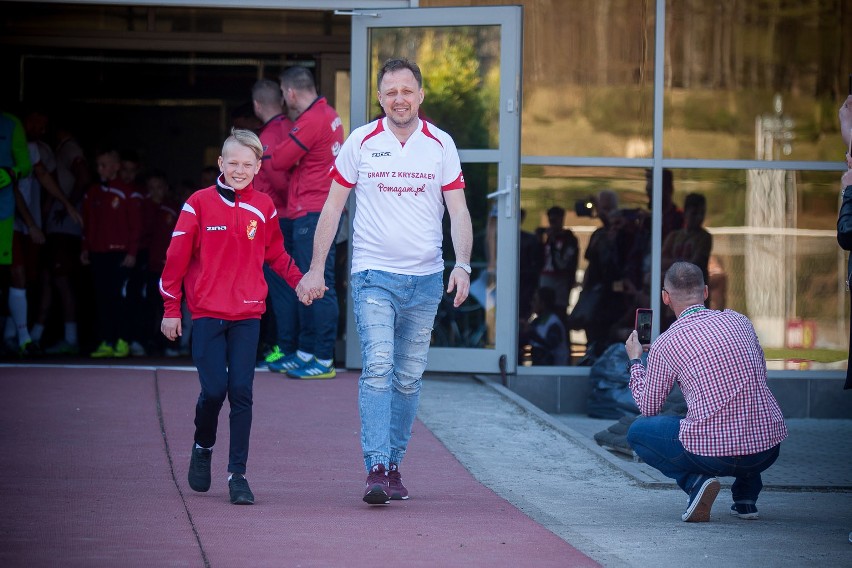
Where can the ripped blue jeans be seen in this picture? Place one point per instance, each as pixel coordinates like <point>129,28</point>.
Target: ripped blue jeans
<point>395,314</point>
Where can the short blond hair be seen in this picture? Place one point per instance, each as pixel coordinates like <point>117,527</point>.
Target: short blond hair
<point>245,138</point>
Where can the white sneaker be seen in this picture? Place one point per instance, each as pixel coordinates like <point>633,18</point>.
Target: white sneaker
<point>137,350</point>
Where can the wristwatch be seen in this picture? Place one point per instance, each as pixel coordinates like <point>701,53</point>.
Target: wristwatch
<point>464,266</point>
<point>633,362</point>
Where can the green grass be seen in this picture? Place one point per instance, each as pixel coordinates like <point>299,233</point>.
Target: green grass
<point>816,355</point>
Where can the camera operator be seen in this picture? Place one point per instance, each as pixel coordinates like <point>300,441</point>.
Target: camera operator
<point>733,425</point>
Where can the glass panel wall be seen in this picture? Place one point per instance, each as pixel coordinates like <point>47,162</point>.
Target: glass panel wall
<point>588,76</point>
<point>742,81</point>
<point>589,234</point>
<point>742,75</point>
<point>774,257</point>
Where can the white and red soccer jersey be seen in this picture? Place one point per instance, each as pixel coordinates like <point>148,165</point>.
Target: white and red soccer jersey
<point>399,196</point>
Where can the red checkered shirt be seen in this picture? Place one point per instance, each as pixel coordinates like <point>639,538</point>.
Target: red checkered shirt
<point>717,360</point>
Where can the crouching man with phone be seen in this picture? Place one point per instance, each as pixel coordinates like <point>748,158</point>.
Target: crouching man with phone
<point>733,425</point>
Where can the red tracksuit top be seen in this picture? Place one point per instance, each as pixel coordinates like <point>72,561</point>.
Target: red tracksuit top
<point>310,149</point>
<point>112,218</point>
<point>218,248</point>
<point>274,183</point>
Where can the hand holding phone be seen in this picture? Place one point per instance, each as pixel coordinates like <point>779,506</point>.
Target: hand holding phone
<point>644,320</point>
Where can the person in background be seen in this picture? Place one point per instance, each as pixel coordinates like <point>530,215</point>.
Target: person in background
<point>546,334</point>
<point>161,216</point>
<point>61,271</point>
<point>844,218</point>
<point>224,234</point>
<point>29,238</point>
<point>309,151</point>
<point>560,253</point>
<point>112,218</point>
<point>269,108</point>
<point>733,425</point>
<point>404,171</point>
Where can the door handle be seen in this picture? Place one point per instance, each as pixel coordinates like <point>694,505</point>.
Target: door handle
<point>507,190</point>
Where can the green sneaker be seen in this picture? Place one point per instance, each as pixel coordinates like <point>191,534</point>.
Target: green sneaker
<point>103,351</point>
<point>273,356</point>
<point>122,348</point>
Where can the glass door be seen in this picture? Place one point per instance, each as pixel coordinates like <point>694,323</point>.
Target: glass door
<point>471,64</point>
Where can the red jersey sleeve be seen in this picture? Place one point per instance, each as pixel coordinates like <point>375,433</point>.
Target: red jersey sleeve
<point>184,243</point>
<point>278,259</point>
<point>286,154</point>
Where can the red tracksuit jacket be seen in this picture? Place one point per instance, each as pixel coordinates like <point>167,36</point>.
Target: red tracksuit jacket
<point>218,248</point>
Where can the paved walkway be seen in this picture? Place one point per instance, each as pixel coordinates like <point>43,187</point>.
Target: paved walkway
<point>95,461</point>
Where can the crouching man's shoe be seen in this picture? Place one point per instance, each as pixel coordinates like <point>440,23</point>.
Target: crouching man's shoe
<point>701,499</point>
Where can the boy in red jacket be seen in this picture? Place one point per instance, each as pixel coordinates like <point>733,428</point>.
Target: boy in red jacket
<point>223,236</point>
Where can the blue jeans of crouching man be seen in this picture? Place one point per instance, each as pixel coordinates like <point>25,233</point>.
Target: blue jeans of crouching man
<point>395,314</point>
<point>655,440</point>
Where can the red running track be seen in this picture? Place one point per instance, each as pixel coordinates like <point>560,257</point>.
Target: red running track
<point>95,463</point>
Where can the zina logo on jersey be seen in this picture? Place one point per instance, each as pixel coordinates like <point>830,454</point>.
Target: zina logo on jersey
<point>251,230</point>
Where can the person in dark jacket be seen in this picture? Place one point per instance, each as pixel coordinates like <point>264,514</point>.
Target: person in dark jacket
<point>844,218</point>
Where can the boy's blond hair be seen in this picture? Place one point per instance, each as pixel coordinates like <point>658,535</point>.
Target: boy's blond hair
<point>245,138</point>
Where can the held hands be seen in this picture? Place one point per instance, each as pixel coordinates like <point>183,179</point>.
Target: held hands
<point>171,328</point>
<point>311,287</point>
<point>460,282</point>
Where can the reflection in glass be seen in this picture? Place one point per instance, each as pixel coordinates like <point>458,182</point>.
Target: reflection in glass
<point>606,211</point>
<point>754,80</point>
<point>461,77</point>
<point>775,257</point>
<point>472,324</point>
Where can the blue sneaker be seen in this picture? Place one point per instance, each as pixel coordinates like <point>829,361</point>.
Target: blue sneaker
<point>747,511</point>
<point>313,370</point>
<point>701,500</point>
<point>287,363</point>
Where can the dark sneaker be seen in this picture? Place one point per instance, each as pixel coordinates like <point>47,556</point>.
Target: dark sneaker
<point>744,511</point>
<point>701,501</point>
<point>199,469</point>
<point>396,489</point>
<point>239,489</point>
<point>376,492</point>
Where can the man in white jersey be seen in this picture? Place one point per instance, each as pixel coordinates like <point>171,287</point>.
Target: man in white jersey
<point>404,172</point>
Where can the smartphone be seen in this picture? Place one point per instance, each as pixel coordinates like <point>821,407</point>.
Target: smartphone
<point>644,319</point>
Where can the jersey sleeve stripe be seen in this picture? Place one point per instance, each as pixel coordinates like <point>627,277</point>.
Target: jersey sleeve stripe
<point>188,208</point>
<point>457,183</point>
<point>338,177</point>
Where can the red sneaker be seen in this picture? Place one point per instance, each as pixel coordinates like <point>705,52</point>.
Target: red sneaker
<point>397,490</point>
<point>376,492</point>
